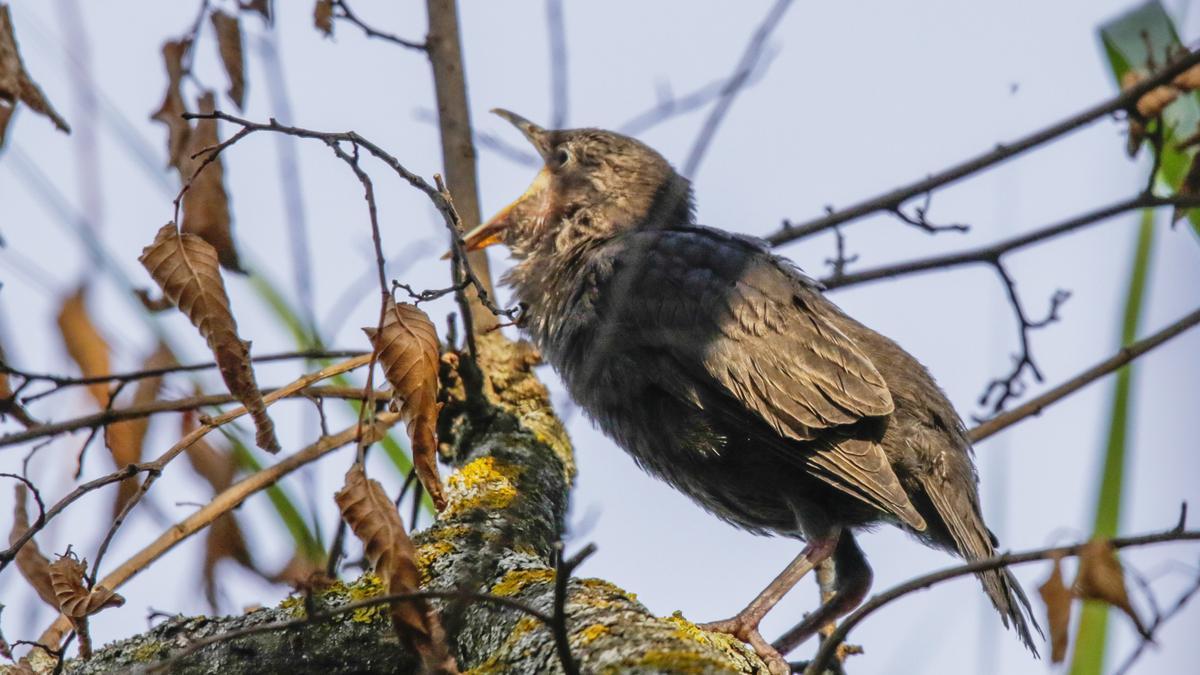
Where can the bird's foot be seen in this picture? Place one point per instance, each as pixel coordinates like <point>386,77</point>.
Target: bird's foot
<point>746,630</point>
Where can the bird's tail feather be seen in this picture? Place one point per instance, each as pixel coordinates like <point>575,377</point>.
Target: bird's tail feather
<point>975,542</point>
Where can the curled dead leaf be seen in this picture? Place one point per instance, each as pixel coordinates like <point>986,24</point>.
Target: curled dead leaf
<point>229,42</point>
<point>1152,103</point>
<point>75,601</point>
<point>1058,611</point>
<point>407,347</point>
<point>224,541</point>
<point>323,17</point>
<point>206,203</point>
<point>15,83</point>
<point>1189,79</point>
<point>171,111</point>
<point>87,348</point>
<point>34,566</point>
<point>1100,577</point>
<point>185,267</point>
<point>375,521</point>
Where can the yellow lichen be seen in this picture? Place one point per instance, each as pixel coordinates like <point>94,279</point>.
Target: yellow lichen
<point>592,633</point>
<point>367,586</point>
<point>686,630</point>
<point>429,552</point>
<point>148,651</point>
<point>678,661</point>
<point>518,580</point>
<point>495,664</point>
<point>485,483</point>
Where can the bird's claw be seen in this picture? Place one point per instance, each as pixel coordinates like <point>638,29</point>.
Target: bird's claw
<point>747,632</point>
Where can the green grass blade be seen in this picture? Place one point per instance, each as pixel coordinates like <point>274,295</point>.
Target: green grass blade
<point>1091,639</point>
<point>285,506</point>
<point>306,338</point>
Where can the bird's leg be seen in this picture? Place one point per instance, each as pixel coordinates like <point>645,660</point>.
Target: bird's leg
<point>744,626</point>
<point>852,579</point>
<point>827,582</point>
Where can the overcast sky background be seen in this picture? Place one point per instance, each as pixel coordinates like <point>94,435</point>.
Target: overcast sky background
<point>859,97</point>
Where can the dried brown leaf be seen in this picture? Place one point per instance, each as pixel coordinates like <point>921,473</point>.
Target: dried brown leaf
<point>206,203</point>
<point>303,573</point>
<point>74,598</point>
<point>30,562</point>
<point>408,351</point>
<point>229,42</point>
<point>215,466</point>
<point>224,540</point>
<point>185,267</point>
<point>1058,611</point>
<point>171,111</point>
<point>126,438</point>
<point>15,82</point>
<point>1189,187</point>
<point>374,520</point>
<point>323,17</point>
<point>84,343</point>
<point>1100,577</point>
<point>1189,79</point>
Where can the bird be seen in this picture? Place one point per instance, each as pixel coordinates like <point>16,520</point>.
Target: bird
<point>722,369</point>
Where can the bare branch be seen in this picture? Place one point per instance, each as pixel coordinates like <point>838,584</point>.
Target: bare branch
<point>894,199</point>
<point>342,11</point>
<point>750,56</point>
<point>1122,357</point>
<point>826,652</point>
<point>225,502</point>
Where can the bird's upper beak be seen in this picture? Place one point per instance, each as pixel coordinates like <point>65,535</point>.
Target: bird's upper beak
<point>492,232</point>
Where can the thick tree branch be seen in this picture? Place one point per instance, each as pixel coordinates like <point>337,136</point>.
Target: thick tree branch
<point>894,199</point>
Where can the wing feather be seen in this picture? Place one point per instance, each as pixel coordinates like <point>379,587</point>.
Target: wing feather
<point>745,324</point>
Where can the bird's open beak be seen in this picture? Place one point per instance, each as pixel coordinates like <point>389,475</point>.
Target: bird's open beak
<point>492,232</point>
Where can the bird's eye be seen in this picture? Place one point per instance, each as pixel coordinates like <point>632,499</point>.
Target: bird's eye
<point>562,156</point>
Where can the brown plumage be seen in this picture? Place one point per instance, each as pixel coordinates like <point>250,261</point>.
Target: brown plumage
<point>722,369</point>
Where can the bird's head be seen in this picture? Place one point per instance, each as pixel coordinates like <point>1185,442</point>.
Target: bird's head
<point>594,185</point>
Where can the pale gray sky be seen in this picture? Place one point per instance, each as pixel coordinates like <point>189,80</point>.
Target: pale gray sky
<point>859,97</point>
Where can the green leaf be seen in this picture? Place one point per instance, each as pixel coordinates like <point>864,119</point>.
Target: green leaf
<point>1092,636</point>
<point>1125,41</point>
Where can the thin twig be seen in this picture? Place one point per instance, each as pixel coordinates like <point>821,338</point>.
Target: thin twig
<point>895,198</point>
<point>1122,357</point>
<point>226,501</point>
<point>100,419</point>
<point>1004,560</point>
<point>156,466</point>
<point>750,56</point>
<point>562,577</point>
<point>342,11</point>
<point>556,31</point>
<point>992,252</point>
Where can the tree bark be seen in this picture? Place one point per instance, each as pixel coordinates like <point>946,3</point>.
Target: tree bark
<point>508,498</point>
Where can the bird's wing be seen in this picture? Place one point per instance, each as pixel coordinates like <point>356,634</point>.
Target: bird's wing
<point>734,320</point>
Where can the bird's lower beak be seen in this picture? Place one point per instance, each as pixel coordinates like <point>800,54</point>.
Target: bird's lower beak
<point>492,232</point>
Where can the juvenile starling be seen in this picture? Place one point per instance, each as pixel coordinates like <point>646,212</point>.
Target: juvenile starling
<point>722,369</point>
